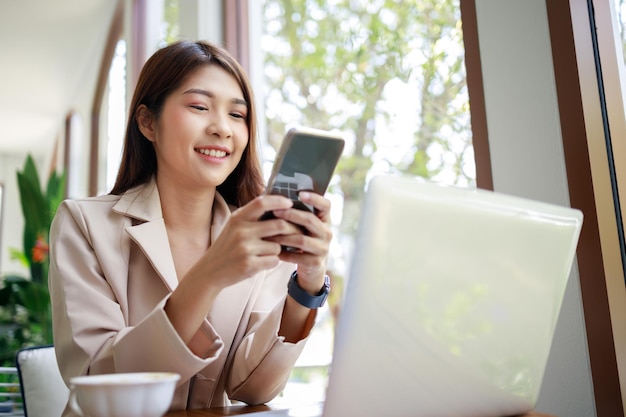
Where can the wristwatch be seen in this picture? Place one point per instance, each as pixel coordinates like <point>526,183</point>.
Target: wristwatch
<point>303,297</point>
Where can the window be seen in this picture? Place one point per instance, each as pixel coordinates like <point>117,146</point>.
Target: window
<point>116,115</point>
<point>115,102</point>
<point>620,7</point>
<point>391,77</point>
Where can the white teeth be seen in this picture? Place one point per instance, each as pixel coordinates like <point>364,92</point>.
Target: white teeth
<point>212,152</point>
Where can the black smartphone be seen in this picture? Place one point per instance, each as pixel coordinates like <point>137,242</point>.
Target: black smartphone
<point>306,161</point>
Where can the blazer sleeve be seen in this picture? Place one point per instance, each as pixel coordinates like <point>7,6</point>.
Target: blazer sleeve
<point>90,324</point>
<point>263,361</point>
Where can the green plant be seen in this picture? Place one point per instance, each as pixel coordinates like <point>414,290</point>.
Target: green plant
<point>25,317</point>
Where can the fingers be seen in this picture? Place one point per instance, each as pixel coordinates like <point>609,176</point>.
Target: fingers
<point>261,205</point>
<point>321,204</point>
<point>307,232</point>
<point>247,245</point>
<point>245,220</point>
<point>313,239</point>
<point>302,243</point>
<point>313,224</point>
<point>276,227</point>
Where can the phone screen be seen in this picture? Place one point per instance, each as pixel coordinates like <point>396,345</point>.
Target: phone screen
<point>305,162</point>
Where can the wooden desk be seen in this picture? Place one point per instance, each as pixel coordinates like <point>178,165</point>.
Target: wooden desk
<point>222,411</point>
<point>243,409</point>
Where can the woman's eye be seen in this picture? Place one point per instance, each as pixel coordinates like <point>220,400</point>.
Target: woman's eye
<point>238,115</point>
<point>197,107</point>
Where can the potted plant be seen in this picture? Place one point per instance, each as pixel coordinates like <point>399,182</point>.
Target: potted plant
<point>25,317</point>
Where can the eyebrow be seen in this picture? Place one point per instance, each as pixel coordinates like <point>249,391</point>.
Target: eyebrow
<point>211,95</point>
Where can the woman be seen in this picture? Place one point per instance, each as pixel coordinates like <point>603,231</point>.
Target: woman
<point>173,271</point>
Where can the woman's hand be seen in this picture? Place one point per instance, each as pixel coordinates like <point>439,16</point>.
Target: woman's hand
<point>244,247</point>
<point>241,250</point>
<point>248,245</point>
<point>312,245</point>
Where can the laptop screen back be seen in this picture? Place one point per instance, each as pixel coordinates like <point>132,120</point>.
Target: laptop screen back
<point>451,302</point>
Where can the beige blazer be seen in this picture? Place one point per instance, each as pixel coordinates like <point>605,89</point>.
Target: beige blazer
<point>111,272</point>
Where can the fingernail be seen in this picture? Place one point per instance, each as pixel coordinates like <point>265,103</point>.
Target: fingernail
<point>303,194</point>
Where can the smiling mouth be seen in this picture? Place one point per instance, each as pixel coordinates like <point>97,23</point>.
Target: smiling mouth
<point>212,153</point>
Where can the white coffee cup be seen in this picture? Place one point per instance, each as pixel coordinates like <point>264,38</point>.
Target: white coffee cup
<point>145,394</point>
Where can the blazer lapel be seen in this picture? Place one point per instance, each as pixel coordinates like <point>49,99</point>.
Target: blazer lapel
<point>151,237</point>
<point>148,231</point>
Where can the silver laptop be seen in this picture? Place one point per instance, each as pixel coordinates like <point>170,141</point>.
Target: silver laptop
<point>451,302</point>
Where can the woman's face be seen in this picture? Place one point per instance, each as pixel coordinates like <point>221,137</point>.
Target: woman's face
<point>202,131</point>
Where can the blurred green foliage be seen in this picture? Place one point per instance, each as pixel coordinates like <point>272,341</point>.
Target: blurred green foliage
<point>25,317</point>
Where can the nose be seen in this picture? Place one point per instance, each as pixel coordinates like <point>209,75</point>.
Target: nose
<point>219,126</point>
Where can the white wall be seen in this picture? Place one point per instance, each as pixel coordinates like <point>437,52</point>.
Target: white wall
<point>79,101</point>
<point>527,160</point>
<point>201,20</point>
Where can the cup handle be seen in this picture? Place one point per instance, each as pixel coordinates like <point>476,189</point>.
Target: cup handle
<point>74,403</point>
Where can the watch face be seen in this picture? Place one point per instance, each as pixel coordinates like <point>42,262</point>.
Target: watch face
<point>326,288</point>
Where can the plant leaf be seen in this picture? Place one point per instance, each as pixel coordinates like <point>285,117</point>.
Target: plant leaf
<point>34,205</point>
<point>55,193</point>
<point>18,255</point>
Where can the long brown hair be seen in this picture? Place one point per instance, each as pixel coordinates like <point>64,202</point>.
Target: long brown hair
<point>163,73</point>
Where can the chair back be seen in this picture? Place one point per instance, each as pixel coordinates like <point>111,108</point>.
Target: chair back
<point>44,392</point>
